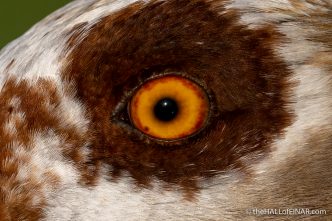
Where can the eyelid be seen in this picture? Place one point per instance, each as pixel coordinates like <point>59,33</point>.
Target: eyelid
<point>121,117</point>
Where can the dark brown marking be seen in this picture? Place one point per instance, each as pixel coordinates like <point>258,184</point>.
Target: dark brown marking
<point>10,65</point>
<point>246,82</point>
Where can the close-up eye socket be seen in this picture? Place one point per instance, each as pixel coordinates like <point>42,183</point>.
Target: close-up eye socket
<point>169,108</point>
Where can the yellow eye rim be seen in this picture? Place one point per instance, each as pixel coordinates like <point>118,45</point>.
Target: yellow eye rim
<point>191,99</point>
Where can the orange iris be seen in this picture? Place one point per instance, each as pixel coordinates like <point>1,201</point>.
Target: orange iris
<point>169,107</point>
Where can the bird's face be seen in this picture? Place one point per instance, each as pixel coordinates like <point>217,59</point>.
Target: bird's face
<point>169,110</point>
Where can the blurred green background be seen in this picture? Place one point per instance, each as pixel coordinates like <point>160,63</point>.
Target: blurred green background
<point>17,16</point>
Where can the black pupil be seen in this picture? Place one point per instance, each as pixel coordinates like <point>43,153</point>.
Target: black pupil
<point>166,109</point>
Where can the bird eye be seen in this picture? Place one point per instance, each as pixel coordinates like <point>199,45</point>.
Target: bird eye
<point>169,107</point>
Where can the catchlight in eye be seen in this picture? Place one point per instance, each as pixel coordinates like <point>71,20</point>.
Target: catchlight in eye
<point>169,107</point>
